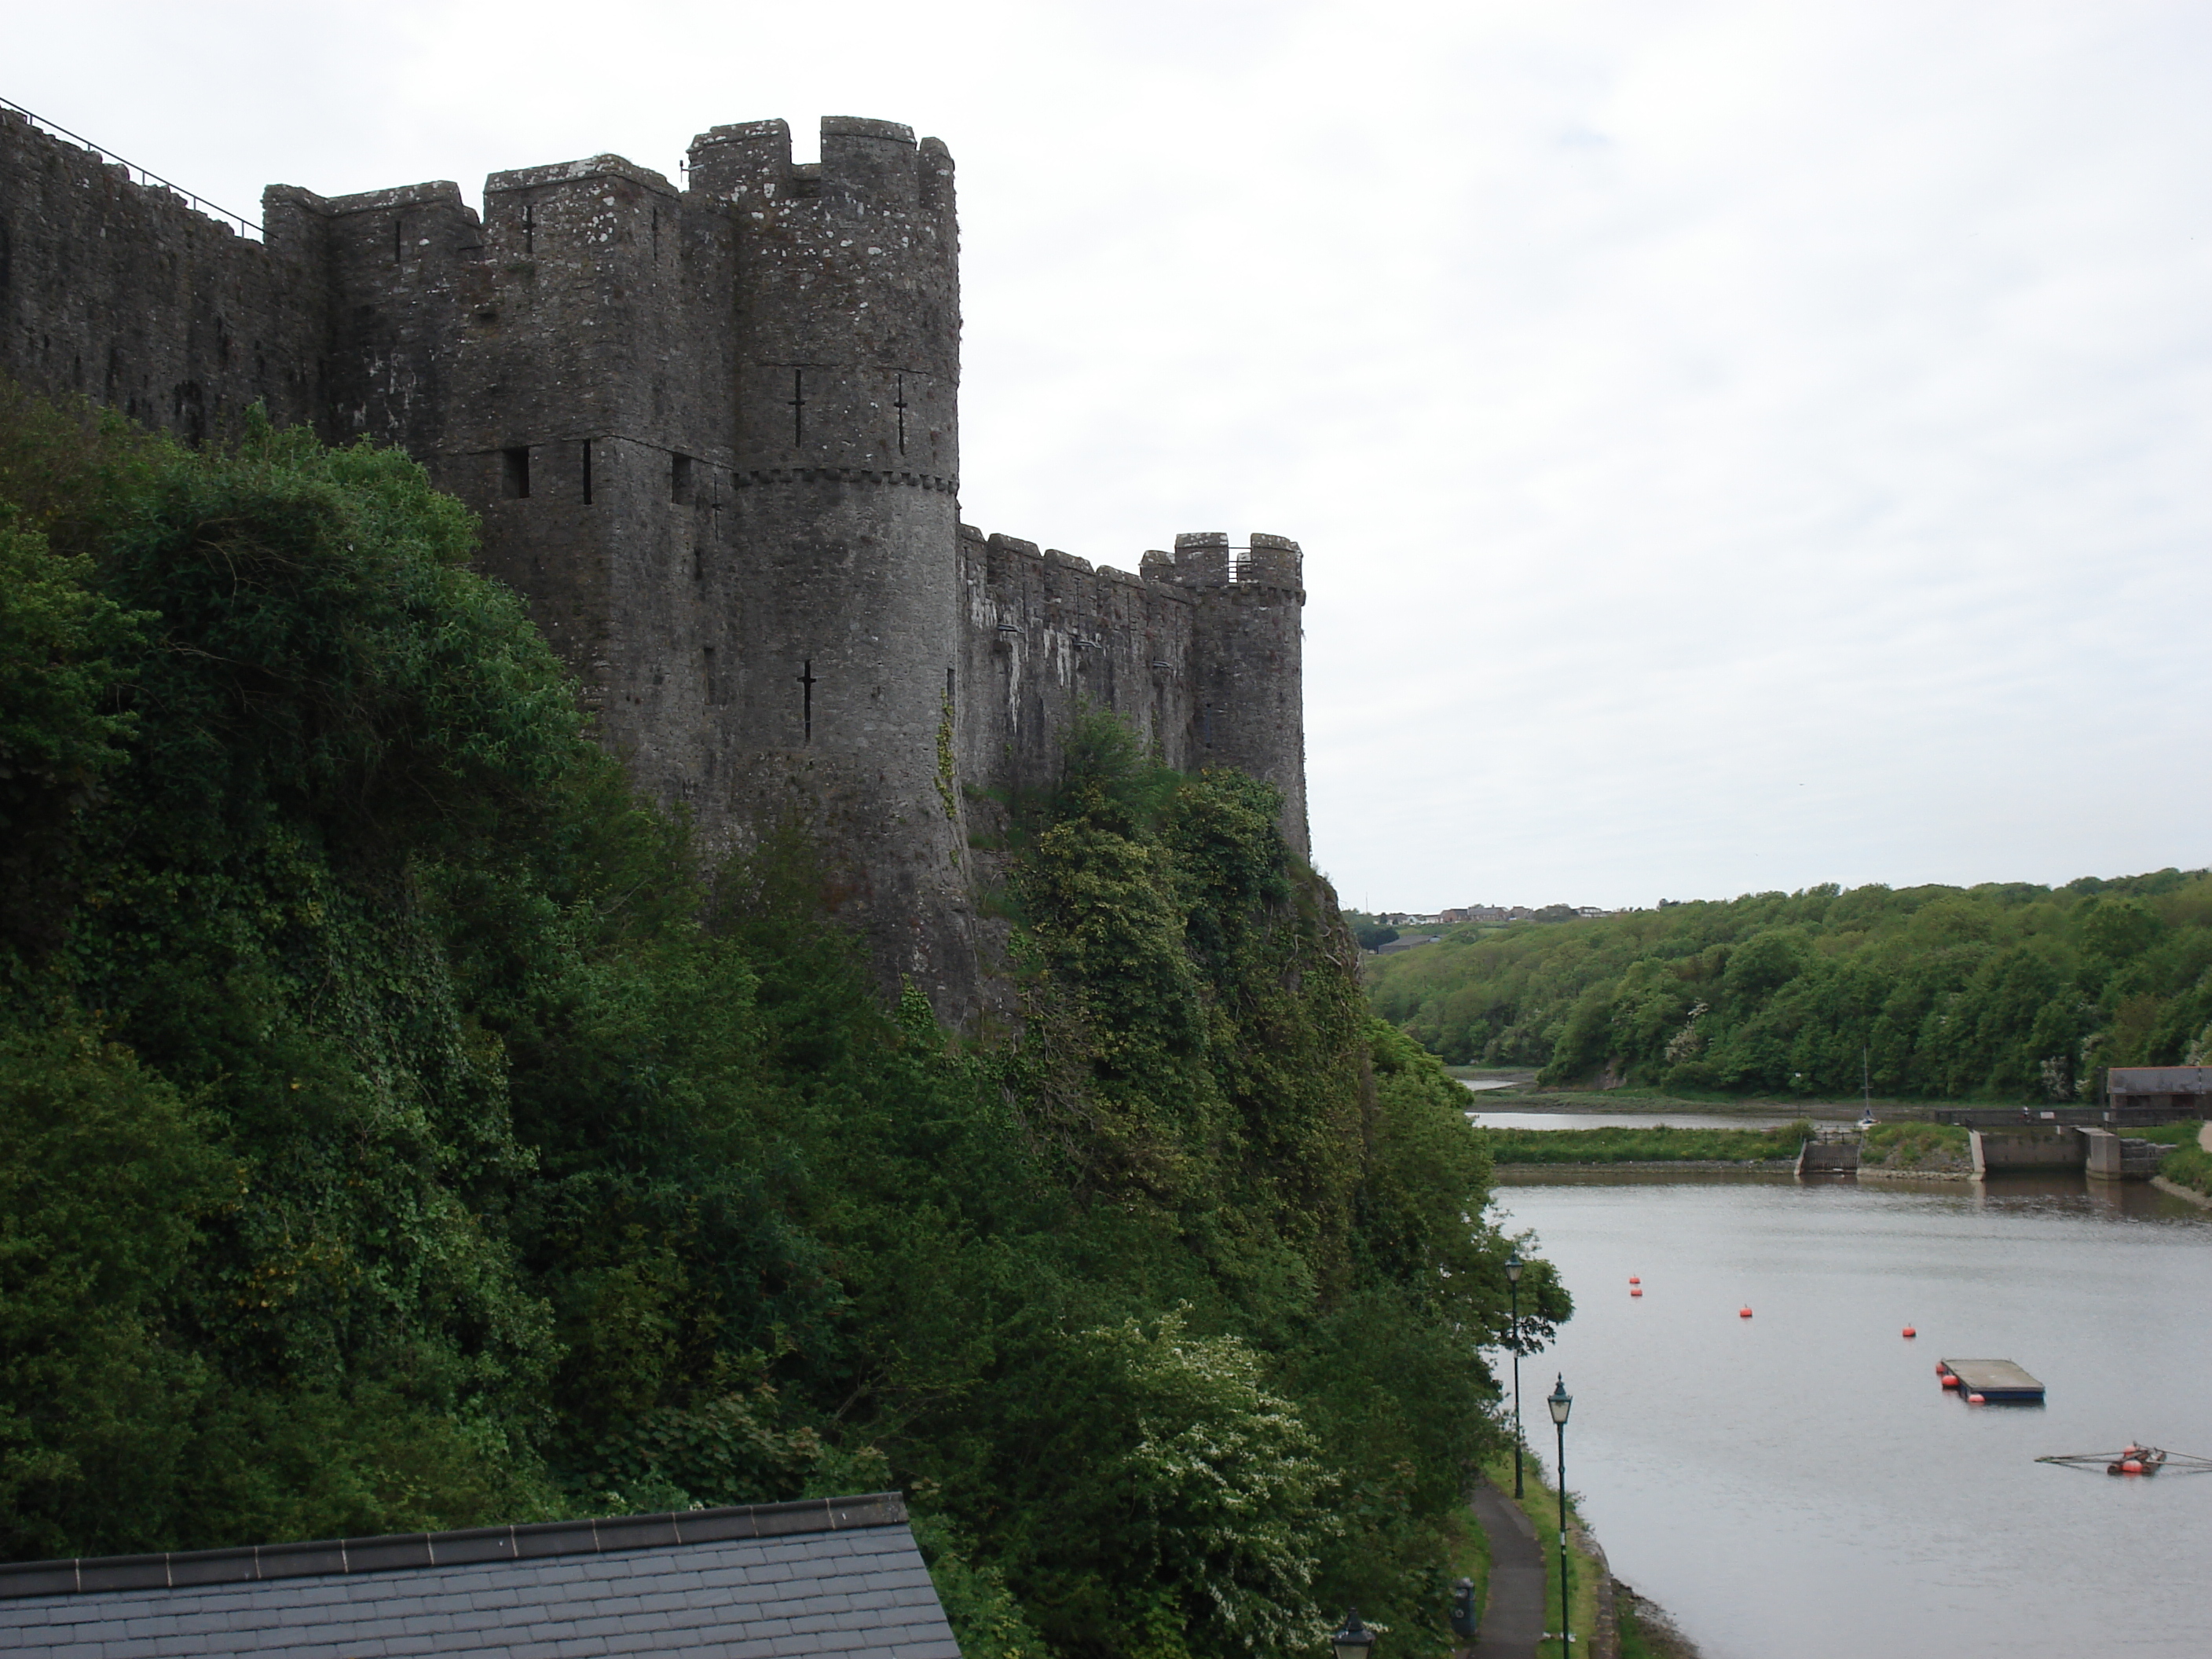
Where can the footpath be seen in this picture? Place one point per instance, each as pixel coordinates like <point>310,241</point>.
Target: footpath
<point>1519,1609</point>
<point>1514,1617</point>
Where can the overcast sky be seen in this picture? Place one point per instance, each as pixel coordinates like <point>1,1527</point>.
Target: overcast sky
<point>1736,446</point>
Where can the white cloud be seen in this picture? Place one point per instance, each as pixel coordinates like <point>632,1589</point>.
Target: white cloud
<point>1737,445</point>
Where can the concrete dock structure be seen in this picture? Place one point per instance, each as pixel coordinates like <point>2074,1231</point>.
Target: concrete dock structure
<point>1995,1380</point>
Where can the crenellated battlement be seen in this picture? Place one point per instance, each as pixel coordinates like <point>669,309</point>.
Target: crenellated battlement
<point>866,166</point>
<point>712,433</point>
<point>1207,559</point>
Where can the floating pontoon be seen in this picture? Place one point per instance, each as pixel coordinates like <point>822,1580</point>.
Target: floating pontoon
<point>1993,1379</point>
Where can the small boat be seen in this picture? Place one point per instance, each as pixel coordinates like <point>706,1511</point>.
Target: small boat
<point>2132,1459</point>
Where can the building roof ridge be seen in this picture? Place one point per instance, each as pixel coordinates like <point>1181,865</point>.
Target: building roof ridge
<point>397,1552</point>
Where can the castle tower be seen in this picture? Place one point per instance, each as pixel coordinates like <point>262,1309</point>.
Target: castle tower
<point>844,539</point>
<point>713,437</point>
<point>1247,710</point>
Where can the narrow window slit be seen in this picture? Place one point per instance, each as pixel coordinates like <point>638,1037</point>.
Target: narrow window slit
<point>588,472</point>
<point>679,480</point>
<point>807,683</point>
<point>798,405</point>
<point>515,473</point>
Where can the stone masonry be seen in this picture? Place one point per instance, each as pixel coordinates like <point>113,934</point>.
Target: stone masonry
<point>712,435</point>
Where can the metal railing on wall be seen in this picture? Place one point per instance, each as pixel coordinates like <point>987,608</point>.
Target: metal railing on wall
<point>139,175</point>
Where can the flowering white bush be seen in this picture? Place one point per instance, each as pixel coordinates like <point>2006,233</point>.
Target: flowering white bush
<point>1223,1486</point>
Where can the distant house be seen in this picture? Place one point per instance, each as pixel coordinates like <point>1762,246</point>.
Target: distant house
<point>823,1578</point>
<point>2185,1091</point>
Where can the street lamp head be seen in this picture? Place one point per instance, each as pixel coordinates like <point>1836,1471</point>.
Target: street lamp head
<point>1513,1266</point>
<point>1560,1401</point>
<point>1353,1641</point>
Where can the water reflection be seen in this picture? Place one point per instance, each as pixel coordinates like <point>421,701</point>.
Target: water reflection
<point>1797,1483</point>
<point>1623,1120</point>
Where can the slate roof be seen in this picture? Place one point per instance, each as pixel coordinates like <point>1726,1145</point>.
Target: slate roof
<point>823,1577</point>
<point>2158,1080</point>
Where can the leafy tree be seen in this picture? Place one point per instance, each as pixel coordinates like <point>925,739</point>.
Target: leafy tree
<point>2008,991</point>
<point>398,1129</point>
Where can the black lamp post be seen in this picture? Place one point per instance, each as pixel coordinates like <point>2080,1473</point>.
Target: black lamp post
<point>1561,1403</point>
<point>1513,1287</point>
<point>1353,1641</point>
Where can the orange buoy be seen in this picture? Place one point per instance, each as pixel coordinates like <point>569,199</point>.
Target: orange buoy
<point>1909,1331</point>
<point>1942,1370</point>
<point>1950,1381</point>
<point>1633,1279</point>
<point>1635,1290</point>
<point>1743,1313</point>
<point>1976,1400</point>
<point>2131,1467</point>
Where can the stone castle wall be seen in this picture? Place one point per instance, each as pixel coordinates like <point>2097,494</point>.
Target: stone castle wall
<point>712,436</point>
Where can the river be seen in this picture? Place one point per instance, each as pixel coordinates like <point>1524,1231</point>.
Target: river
<point>1797,1483</point>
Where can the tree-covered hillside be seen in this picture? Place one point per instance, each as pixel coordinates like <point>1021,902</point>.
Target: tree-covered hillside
<point>2010,992</point>
<point>399,1130</point>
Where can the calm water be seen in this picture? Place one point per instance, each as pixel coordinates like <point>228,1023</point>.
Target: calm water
<point>1796,1483</point>
<point>1620,1120</point>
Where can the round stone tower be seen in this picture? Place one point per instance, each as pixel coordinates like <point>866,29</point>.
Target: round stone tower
<point>844,352</point>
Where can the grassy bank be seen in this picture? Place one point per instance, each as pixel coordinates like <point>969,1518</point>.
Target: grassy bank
<point>1916,1146</point>
<point>1660,1144</point>
<point>1469,1556</point>
<point>1541,1506</point>
<point>2188,1164</point>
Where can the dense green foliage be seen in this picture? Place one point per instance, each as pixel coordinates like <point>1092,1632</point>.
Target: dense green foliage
<point>1661,1143</point>
<point>2003,991</point>
<point>398,1131</point>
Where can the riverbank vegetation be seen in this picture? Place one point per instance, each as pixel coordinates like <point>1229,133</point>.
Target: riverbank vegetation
<point>1916,1146</point>
<point>1660,1144</point>
<point>1541,1503</point>
<point>401,1129</point>
<point>2187,1164</point>
<point>2012,992</point>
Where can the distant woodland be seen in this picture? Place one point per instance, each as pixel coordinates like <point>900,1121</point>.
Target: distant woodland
<point>2006,992</point>
<point>402,1128</point>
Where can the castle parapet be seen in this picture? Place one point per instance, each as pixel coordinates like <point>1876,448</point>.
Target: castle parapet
<point>1273,561</point>
<point>1201,559</point>
<point>1207,559</point>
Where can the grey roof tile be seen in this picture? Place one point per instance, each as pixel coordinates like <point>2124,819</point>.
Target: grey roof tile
<point>862,1591</point>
